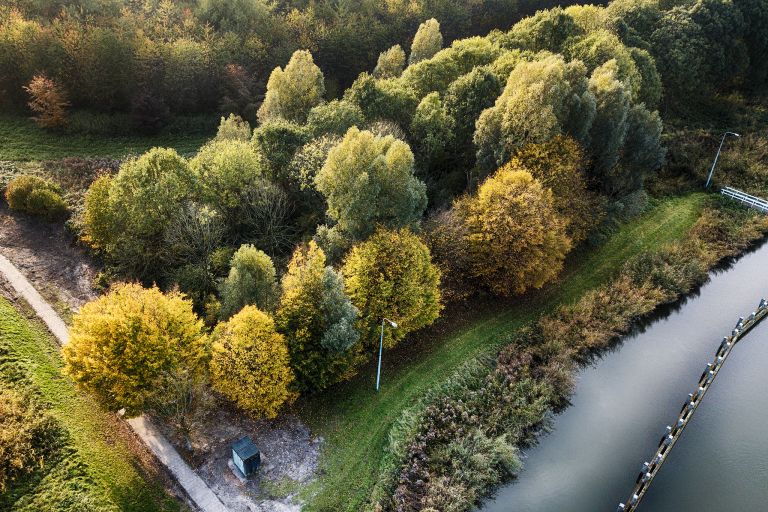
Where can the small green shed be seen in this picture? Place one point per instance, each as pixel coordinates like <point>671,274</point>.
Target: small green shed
<point>246,456</point>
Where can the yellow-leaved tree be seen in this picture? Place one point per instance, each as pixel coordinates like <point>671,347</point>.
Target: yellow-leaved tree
<point>392,275</point>
<point>137,348</point>
<point>250,363</point>
<point>514,237</point>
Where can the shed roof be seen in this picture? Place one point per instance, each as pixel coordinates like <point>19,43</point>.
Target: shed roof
<point>245,448</point>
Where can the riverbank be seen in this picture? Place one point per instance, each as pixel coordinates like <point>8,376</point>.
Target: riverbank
<point>456,444</point>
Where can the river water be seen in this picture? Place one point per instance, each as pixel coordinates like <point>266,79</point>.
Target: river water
<point>622,403</point>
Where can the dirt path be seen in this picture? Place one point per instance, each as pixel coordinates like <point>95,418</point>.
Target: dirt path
<point>194,486</point>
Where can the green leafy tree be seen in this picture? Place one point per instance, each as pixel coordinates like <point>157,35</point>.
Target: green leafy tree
<point>547,30</point>
<point>679,47</point>
<point>292,92</point>
<point>276,142</point>
<point>252,280</point>
<point>391,100</point>
<point>599,47</point>
<point>541,99</point>
<point>369,181</point>
<point>392,275</point>
<point>334,118</point>
<point>126,216</point>
<point>233,127</point>
<point>134,346</point>
<point>650,85</point>
<point>427,41</point>
<point>391,63</point>
<point>723,26</point>
<point>318,321</point>
<point>756,38</point>
<point>224,168</point>
<point>250,363</point>
<point>512,232</point>
<point>642,153</point>
<point>432,129</point>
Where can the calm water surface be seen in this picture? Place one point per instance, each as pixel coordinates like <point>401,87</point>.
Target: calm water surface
<point>623,402</point>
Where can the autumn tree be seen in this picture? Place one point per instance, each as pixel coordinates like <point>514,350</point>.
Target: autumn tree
<point>369,181</point>
<point>126,215</point>
<point>391,63</point>
<point>392,275</point>
<point>560,165</point>
<point>250,363</point>
<point>293,91</point>
<point>542,99</point>
<point>252,279</point>
<point>134,346</point>
<point>48,101</point>
<point>318,320</point>
<point>427,41</point>
<point>515,238</point>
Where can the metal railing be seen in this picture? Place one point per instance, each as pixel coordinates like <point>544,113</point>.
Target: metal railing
<point>650,469</point>
<point>751,201</point>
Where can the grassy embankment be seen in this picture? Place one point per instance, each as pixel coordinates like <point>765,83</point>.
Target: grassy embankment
<point>29,354</point>
<point>355,421</point>
<point>21,140</point>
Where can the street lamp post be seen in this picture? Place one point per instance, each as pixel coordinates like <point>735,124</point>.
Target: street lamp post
<point>712,170</point>
<point>381,348</point>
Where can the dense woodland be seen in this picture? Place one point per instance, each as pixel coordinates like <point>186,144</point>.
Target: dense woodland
<point>261,266</point>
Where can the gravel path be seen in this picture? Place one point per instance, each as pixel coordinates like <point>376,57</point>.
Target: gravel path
<point>200,493</point>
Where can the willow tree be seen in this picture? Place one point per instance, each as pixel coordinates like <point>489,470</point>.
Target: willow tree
<point>293,91</point>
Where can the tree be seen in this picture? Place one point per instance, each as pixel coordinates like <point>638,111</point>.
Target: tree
<point>126,216</point>
<point>334,118</point>
<point>224,168</point>
<point>250,365</point>
<point>432,129</point>
<point>391,63</point>
<point>318,320</point>
<point>291,93</point>
<point>427,41</point>
<point>547,30</point>
<point>392,275</point>
<point>679,47</point>
<point>276,142</point>
<point>48,101</point>
<point>642,152</point>
<point>252,280</point>
<point>650,83</point>
<point>609,128</point>
<point>541,99</point>
<point>756,38</point>
<point>514,236</point>
<point>133,346</point>
<point>369,181</point>
<point>233,127</point>
<point>559,165</point>
<point>723,27</point>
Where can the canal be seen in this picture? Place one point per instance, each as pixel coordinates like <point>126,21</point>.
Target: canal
<point>623,401</point>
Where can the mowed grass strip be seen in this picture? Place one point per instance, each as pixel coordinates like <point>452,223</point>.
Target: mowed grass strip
<point>93,433</point>
<point>22,141</point>
<point>355,420</point>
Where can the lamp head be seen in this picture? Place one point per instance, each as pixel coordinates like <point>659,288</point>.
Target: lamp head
<point>393,324</point>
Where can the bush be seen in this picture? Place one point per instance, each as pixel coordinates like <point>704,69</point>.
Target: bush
<point>252,279</point>
<point>249,363</point>
<point>36,196</point>
<point>135,348</point>
<point>27,435</point>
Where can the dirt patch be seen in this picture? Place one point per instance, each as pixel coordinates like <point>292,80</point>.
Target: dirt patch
<point>289,457</point>
<point>46,253</point>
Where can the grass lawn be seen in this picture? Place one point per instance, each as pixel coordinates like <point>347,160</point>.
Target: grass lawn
<point>21,140</point>
<point>93,434</point>
<point>355,421</point>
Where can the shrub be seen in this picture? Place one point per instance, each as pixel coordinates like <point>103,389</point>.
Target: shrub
<point>252,280</point>
<point>233,127</point>
<point>250,363</point>
<point>134,347</point>
<point>48,101</point>
<point>392,275</point>
<point>27,434</point>
<point>318,321</point>
<point>36,196</point>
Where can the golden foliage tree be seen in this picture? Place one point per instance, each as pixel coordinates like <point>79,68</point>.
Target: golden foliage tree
<point>134,346</point>
<point>559,165</point>
<point>250,363</point>
<point>515,238</point>
<point>293,91</point>
<point>48,101</point>
<point>392,275</point>
<point>318,320</point>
